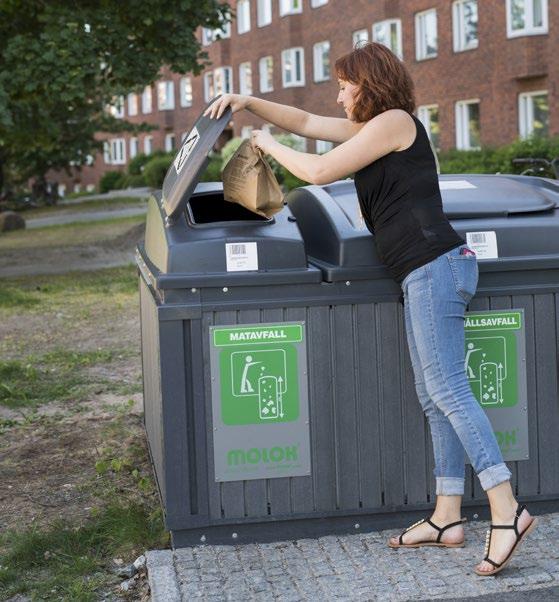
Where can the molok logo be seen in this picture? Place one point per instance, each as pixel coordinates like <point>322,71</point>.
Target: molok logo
<point>256,455</point>
<point>186,149</point>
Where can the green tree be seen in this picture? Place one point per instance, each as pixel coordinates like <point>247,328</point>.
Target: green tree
<point>63,63</point>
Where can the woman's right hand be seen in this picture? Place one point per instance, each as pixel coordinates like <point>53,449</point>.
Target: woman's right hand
<point>237,102</point>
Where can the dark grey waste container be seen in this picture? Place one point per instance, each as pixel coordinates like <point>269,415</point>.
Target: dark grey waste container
<point>381,456</point>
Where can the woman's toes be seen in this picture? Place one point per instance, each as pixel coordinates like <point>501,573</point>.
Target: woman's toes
<point>484,566</point>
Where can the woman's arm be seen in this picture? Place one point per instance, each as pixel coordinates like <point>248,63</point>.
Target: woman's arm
<point>387,132</point>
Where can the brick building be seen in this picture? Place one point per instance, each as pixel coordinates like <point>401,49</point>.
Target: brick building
<point>483,70</point>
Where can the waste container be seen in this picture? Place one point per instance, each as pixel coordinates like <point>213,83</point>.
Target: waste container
<point>278,393</point>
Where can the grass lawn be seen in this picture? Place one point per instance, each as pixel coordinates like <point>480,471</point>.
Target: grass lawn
<point>78,492</point>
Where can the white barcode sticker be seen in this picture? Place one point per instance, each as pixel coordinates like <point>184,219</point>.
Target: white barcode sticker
<point>241,256</point>
<point>483,243</point>
<point>455,185</point>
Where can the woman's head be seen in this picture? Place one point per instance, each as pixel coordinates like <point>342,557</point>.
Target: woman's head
<point>373,80</point>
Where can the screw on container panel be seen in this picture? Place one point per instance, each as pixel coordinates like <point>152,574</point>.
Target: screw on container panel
<point>347,282</point>
<point>356,525</point>
<point>225,289</point>
<point>203,538</point>
<point>193,290</point>
<point>476,516</point>
<point>215,428</point>
<point>234,536</point>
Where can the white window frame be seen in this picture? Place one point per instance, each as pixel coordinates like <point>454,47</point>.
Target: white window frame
<point>318,3</point>
<point>530,29</point>
<point>106,152</point>
<point>263,12</point>
<point>185,91</point>
<point>323,146</point>
<point>225,74</point>
<point>246,131</point>
<point>458,29</point>
<point>148,145</point>
<point>526,111</point>
<point>463,141</point>
<point>116,109</point>
<point>209,88</point>
<point>245,78</point>
<point>290,7</point>
<point>117,151</point>
<point>132,102</point>
<point>289,55</point>
<point>359,36</point>
<point>166,95</point>
<point>169,142</point>
<point>264,85</point>
<point>134,147</point>
<point>424,115</point>
<point>147,100</point>
<point>389,23</point>
<point>319,49</point>
<point>210,35</point>
<point>420,44</point>
<point>243,16</point>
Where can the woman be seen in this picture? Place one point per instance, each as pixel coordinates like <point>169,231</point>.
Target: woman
<point>388,150</point>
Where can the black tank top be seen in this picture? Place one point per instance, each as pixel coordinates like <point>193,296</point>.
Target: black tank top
<point>401,204</point>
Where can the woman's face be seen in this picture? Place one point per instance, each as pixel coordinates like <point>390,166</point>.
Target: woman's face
<point>346,96</point>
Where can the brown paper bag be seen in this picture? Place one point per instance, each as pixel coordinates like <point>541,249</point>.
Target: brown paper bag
<point>249,180</point>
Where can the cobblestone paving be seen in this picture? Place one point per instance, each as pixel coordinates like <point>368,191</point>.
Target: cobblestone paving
<point>351,568</point>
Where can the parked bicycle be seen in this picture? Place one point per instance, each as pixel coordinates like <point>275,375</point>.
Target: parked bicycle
<point>538,166</point>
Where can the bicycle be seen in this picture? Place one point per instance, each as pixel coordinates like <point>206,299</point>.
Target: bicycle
<point>538,166</point>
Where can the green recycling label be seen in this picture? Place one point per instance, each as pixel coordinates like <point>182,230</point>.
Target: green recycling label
<point>258,373</point>
<point>491,357</point>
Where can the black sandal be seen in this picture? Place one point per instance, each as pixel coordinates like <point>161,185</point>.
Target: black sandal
<point>438,541</point>
<point>499,566</point>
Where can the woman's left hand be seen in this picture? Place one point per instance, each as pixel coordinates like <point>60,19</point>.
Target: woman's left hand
<point>261,139</point>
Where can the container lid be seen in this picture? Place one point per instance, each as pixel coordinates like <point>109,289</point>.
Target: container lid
<point>486,195</point>
<point>189,163</point>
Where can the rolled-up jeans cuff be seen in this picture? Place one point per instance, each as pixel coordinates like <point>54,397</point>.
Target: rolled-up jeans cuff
<point>449,485</point>
<point>494,475</point>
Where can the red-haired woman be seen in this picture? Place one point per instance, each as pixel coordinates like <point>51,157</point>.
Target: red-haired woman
<point>388,150</point>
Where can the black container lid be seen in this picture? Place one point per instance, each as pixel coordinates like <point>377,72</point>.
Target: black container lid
<point>190,162</point>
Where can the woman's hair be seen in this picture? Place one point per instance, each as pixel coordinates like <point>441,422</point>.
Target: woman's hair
<point>383,80</point>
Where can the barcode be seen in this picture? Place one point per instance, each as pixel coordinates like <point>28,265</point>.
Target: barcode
<point>478,238</point>
<point>237,250</point>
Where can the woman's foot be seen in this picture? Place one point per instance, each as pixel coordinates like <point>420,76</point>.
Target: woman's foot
<point>425,532</point>
<point>502,540</point>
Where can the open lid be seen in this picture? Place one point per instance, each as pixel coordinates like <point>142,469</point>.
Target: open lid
<point>486,195</point>
<point>190,162</point>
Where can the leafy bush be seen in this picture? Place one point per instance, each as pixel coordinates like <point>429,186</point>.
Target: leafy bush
<point>135,181</point>
<point>155,170</point>
<point>112,180</point>
<point>212,173</point>
<point>137,164</point>
<point>228,149</point>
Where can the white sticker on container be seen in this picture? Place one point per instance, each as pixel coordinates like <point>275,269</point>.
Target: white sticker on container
<point>483,243</point>
<point>189,143</point>
<point>241,256</point>
<point>455,185</point>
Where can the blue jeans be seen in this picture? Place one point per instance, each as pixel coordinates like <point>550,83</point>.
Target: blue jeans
<point>435,299</point>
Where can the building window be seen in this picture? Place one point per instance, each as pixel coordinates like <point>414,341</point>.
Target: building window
<point>464,24</point>
<point>169,142</point>
<point>389,33</point>
<point>264,11</point>
<point>77,188</point>
<point>429,117</point>
<point>118,151</point>
<point>61,190</point>
<point>317,3</point>
<point>426,34</point>
<point>467,125</point>
<point>533,114</point>
<point>166,95</point>
<point>132,105</point>
<point>148,145</point>
<point>290,7</point>
<point>359,37</point>
<point>211,35</point>
<point>209,92</point>
<point>292,67</point>
<point>245,78</point>
<point>266,73</point>
<point>146,100</point>
<point>223,80</point>
<point>106,152</point>
<point>185,91</point>
<point>299,143</point>
<point>90,188</point>
<point>133,147</point>
<point>117,108</point>
<point>321,61</point>
<point>526,17</point>
<point>243,16</point>
<point>323,146</point>
<point>246,131</point>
